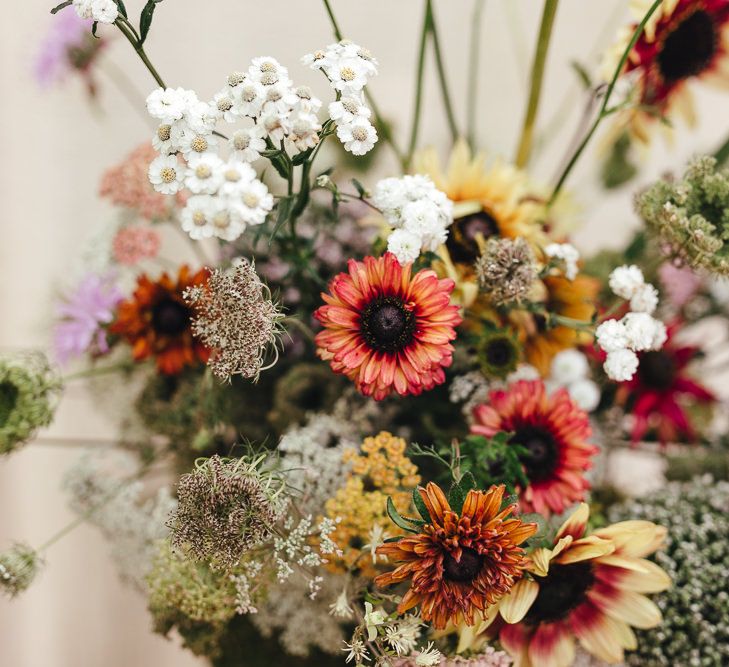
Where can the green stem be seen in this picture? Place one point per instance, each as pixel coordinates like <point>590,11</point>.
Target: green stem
<point>537,76</point>
<point>473,63</point>
<point>606,100</point>
<point>384,129</point>
<point>419,85</point>
<point>127,29</point>
<point>722,154</point>
<point>450,115</point>
<point>99,370</point>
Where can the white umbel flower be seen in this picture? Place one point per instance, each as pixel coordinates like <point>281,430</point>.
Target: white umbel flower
<point>626,280</point>
<point>248,143</point>
<point>170,104</point>
<point>621,365</point>
<point>197,216</point>
<point>404,245</point>
<point>428,221</point>
<point>103,11</point>
<point>204,174</point>
<point>166,174</point>
<point>641,331</point>
<point>358,137</point>
<point>612,336</point>
<point>644,299</point>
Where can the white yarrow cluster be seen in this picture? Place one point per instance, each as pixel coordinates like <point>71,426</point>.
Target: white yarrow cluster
<point>571,370</point>
<point>567,254</point>
<point>348,67</point>
<point>103,11</point>
<point>418,212</point>
<point>637,331</point>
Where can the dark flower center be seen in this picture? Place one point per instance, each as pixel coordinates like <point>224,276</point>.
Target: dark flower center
<point>387,325</point>
<point>462,244</point>
<point>499,352</point>
<point>657,370</point>
<point>689,48</point>
<point>8,399</point>
<point>562,590</point>
<point>541,456</point>
<point>170,317</point>
<point>466,569</point>
<point>311,398</point>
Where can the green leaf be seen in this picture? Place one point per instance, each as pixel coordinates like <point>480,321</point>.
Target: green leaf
<point>145,19</point>
<point>395,517</point>
<point>582,73</point>
<point>421,507</point>
<point>273,152</point>
<point>456,497</point>
<point>58,8</point>
<point>300,158</point>
<point>468,482</point>
<point>360,188</point>
<point>94,27</point>
<point>122,8</point>
<point>283,211</point>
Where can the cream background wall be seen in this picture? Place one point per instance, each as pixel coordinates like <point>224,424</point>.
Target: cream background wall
<point>55,146</point>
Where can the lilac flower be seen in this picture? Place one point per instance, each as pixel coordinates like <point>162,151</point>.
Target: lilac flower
<point>82,315</point>
<point>66,36</point>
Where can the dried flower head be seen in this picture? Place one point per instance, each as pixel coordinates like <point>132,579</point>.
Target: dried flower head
<point>225,507</point>
<point>506,270</point>
<point>236,317</point>
<point>691,215</point>
<point>28,388</point>
<point>19,566</point>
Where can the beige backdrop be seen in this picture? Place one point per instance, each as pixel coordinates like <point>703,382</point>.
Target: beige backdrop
<point>55,145</point>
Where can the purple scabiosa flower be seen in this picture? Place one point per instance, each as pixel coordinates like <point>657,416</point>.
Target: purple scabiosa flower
<point>82,316</point>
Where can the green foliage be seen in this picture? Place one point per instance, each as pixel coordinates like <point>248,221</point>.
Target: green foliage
<point>493,461</point>
<point>618,168</point>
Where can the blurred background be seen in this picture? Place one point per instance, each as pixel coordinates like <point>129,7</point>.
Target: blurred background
<point>56,142</point>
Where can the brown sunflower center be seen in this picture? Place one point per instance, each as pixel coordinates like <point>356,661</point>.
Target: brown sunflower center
<point>8,400</point>
<point>462,244</point>
<point>499,352</point>
<point>170,317</point>
<point>541,456</point>
<point>562,590</point>
<point>689,48</point>
<point>657,370</point>
<point>387,325</point>
<point>464,570</point>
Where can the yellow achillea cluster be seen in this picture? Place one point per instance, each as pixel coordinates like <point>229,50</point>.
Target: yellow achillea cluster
<point>378,470</point>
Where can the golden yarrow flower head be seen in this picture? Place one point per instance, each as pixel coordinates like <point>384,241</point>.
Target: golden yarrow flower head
<point>458,564</point>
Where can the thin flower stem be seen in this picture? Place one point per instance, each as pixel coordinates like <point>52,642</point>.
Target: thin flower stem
<point>440,66</point>
<point>604,111</point>
<point>130,33</point>
<point>537,77</point>
<point>419,85</point>
<point>296,323</point>
<point>69,527</point>
<point>126,87</point>
<point>384,129</point>
<point>98,370</point>
<point>473,63</point>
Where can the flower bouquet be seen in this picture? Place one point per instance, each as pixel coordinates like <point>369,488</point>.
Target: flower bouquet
<point>369,423</point>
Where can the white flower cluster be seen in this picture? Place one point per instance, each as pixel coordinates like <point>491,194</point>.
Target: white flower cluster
<point>570,369</point>
<point>637,331</point>
<point>348,67</point>
<point>418,212</point>
<point>569,256</point>
<point>103,11</point>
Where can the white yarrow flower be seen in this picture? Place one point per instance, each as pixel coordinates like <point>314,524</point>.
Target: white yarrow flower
<point>404,245</point>
<point>237,175</point>
<point>644,299</point>
<point>640,329</point>
<point>197,216</point>
<point>170,104</point>
<point>358,137</point>
<point>103,11</point>
<point>253,203</point>
<point>204,173</point>
<point>347,109</point>
<point>612,336</point>
<point>625,280</point>
<point>248,143</point>
<point>166,174</point>
<point>305,129</point>
<point>621,365</point>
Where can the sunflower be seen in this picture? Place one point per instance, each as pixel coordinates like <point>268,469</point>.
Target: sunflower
<point>156,322</point>
<point>489,201</point>
<point>573,299</point>
<point>683,40</point>
<point>387,329</point>
<point>553,430</point>
<point>458,564</point>
<point>588,587</point>
<point>661,390</point>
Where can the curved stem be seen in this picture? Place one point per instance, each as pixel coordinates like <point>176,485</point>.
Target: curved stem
<point>99,370</point>
<point>606,100</point>
<point>419,85</point>
<point>537,76</point>
<point>127,29</point>
<point>440,66</point>
<point>473,63</point>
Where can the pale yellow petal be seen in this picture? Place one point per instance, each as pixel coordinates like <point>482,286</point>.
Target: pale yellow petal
<point>516,603</point>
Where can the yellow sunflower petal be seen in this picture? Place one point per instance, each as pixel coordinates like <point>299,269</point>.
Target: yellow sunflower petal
<point>601,637</point>
<point>634,538</point>
<point>633,608</point>
<point>576,522</point>
<point>552,646</point>
<point>585,549</point>
<point>540,561</point>
<point>516,603</point>
<point>650,579</point>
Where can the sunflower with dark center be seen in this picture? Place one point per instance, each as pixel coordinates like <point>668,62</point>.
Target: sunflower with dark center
<point>459,564</point>
<point>498,353</point>
<point>584,587</point>
<point>662,393</point>
<point>387,329</point>
<point>156,322</point>
<point>554,433</point>
<point>683,40</point>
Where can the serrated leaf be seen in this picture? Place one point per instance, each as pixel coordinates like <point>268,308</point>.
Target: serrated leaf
<point>421,507</point>
<point>395,517</point>
<point>58,8</point>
